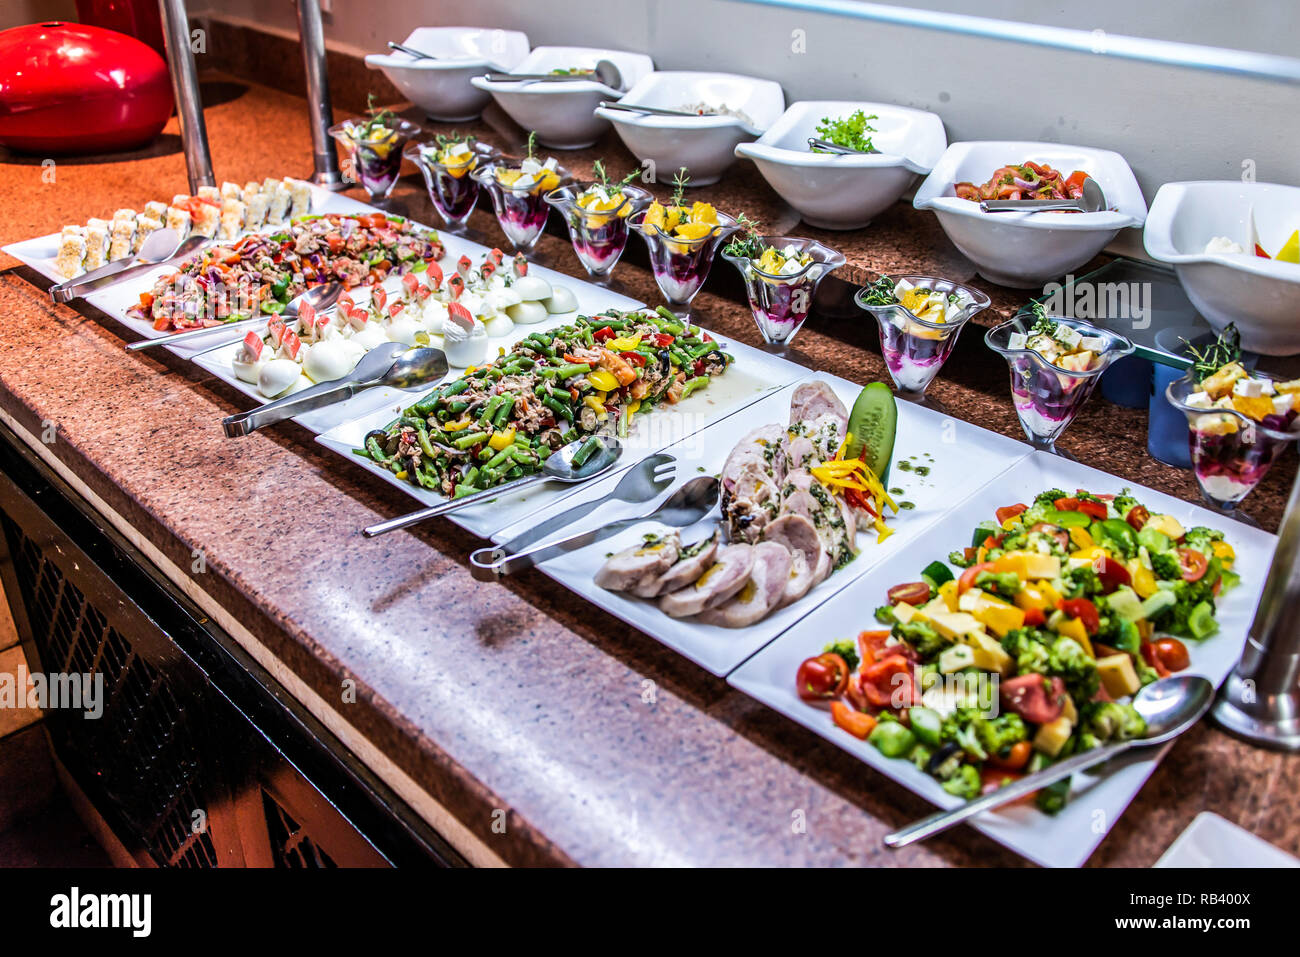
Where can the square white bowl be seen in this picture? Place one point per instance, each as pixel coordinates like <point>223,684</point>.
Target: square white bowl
<point>563,112</point>
<point>442,87</point>
<point>1025,250</point>
<point>844,191</point>
<point>1262,296</point>
<point>705,145</point>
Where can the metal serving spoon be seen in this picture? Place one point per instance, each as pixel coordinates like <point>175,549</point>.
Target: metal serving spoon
<point>1092,201</point>
<point>389,365</point>
<point>605,72</point>
<point>158,247</point>
<point>686,506</point>
<point>661,111</point>
<point>826,146</point>
<point>319,298</point>
<point>558,467</point>
<point>411,51</point>
<point>1170,706</point>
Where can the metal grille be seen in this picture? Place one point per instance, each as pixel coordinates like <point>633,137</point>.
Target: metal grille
<point>141,751</point>
<point>291,845</point>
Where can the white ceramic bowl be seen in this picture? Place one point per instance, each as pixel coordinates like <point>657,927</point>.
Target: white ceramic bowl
<point>563,113</point>
<point>1262,296</point>
<point>846,192</point>
<point>705,145</point>
<point>1025,250</point>
<point>442,87</point>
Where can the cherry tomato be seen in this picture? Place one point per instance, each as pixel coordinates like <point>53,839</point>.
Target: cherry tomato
<point>1084,610</point>
<point>1173,653</point>
<point>1009,511</point>
<point>1094,510</point>
<point>1137,517</point>
<point>1111,573</point>
<point>1152,657</point>
<point>967,580</point>
<point>1017,757</point>
<point>1035,698</point>
<point>854,694</point>
<point>1193,563</point>
<point>871,646</point>
<point>822,677</point>
<point>888,683</point>
<point>912,593</point>
<point>1034,618</point>
<point>854,722</point>
<point>1061,535</point>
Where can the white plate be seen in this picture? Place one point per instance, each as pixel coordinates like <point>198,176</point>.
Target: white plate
<point>591,299</point>
<point>1213,841</point>
<point>40,254</point>
<point>754,374</point>
<point>1067,839</point>
<point>963,455</point>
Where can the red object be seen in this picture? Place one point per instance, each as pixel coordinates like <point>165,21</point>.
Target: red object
<point>136,18</point>
<point>67,88</point>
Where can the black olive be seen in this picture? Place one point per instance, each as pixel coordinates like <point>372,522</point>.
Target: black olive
<point>379,435</point>
<point>941,757</point>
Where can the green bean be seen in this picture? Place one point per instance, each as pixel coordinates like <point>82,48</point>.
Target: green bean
<point>566,371</point>
<point>690,385</point>
<point>503,414</point>
<point>462,490</point>
<point>471,475</point>
<point>700,351</point>
<point>586,451</point>
<point>498,460</point>
<point>572,435</point>
<point>457,407</point>
<point>425,446</point>
<point>558,407</point>
<point>490,409</point>
<point>456,388</point>
<point>472,439</point>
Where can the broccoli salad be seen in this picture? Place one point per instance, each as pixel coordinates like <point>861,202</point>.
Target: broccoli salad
<point>1058,613</point>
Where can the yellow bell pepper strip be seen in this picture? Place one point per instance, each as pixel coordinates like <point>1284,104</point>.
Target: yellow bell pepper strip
<point>502,440</point>
<point>853,479</point>
<point>460,425</point>
<point>602,380</point>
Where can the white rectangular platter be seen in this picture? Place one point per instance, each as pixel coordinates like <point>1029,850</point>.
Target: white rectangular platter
<point>753,375</point>
<point>1068,838</point>
<point>959,456</point>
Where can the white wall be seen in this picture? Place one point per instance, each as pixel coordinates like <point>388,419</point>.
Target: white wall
<point>1170,123</point>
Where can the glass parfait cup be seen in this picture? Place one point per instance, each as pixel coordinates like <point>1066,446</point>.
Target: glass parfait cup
<point>521,210</point>
<point>915,349</point>
<point>374,161</point>
<point>681,266</point>
<point>452,190</point>
<point>1047,397</point>
<point>1231,452</point>
<point>598,236</point>
<point>781,303</point>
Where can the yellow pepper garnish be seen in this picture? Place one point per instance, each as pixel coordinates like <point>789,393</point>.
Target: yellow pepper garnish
<point>842,473</point>
<point>593,403</point>
<point>624,344</point>
<point>460,425</point>
<point>602,380</point>
<point>502,440</point>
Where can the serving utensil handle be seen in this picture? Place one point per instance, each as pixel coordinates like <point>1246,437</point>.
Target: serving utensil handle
<point>195,333</point>
<point>942,820</point>
<point>433,511</point>
<point>1011,205</point>
<point>315,397</point>
<point>489,564</point>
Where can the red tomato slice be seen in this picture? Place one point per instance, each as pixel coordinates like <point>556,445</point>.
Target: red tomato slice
<point>1084,610</point>
<point>1152,657</point>
<point>1137,517</point>
<point>1009,511</point>
<point>912,593</point>
<point>1173,653</point>
<point>1034,618</point>
<point>1111,573</point>
<point>1035,698</point>
<point>967,580</point>
<point>1094,510</point>
<point>888,683</point>
<point>1193,563</point>
<point>871,645</point>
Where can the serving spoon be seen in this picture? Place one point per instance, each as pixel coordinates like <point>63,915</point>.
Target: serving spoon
<point>684,507</point>
<point>390,364</point>
<point>662,111</point>
<point>319,298</point>
<point>826,146</point>
<point>411,51</point>
<point>559,467</point>
<point>1093,200</point>
<point>1170,706</point>
<point>605,73</point>
<point>158,247</point>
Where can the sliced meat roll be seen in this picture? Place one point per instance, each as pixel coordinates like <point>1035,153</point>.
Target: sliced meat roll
<point>811,400</point>
<point>691,564</point>
<point>726,576</point>
<point>811,562</point>
<point>754,451</point>
<point>760,594</point>
<point>650,559</point>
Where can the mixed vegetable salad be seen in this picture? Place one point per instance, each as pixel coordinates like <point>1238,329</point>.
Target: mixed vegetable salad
<point>1060,611</point>
<point>500,422</point>
<point>1028,180</point>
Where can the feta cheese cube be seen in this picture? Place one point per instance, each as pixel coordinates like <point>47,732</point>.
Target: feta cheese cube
<point>1283,402</point>
<point>1092,343</point>
<point>1248,388</point>
<point>1067,336</point>
<point>1200,400</point>
<point>1017,340</point>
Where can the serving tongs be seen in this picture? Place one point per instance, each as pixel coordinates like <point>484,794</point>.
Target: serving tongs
<point>662,111</point>
<point>826,146</point>
<point>684,507</point>
<point>159,247</point>
<point>606,73</point>
<point>1093,200</point>
<point>320,298</point>
<point>390,364</point>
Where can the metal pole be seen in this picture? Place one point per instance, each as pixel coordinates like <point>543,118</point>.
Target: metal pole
<point>185,86</point>
<point>321,113</point>
<point>1260,701</point>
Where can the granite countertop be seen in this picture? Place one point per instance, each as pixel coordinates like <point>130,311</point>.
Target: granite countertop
<point>602,746</point>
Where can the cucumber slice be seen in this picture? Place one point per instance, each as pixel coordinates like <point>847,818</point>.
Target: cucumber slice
<point>872,425</point>
<point>938,572</point>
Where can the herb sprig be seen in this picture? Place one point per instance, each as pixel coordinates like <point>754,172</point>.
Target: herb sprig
<point>748,243</point>
<point>880,293</point>
<point>614,188</point>
<point>1226,348</point>
<point>1044,325</point>
<point>848,131</point>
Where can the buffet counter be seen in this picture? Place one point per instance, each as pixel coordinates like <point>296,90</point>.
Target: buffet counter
<point>524,725</point>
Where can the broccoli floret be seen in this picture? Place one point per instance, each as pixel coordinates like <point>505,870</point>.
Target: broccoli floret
<point>1125,503</point>
<point>1086,741</point>
<point>965,783</point>
<point>1000,733</point>
<point>1005,584</point>
<point>885,615</point>
<point>1165,565</point>
<point>1202,539</point>
<point>1050,496</point>
<point>1113,721</point>
<point>1053,798</point>
<point>1025,645</point>
<point>959,559</point>
<point>920,755</point>
<point>1146,674</point>
<point>1082,582</point>
<point>847,649</point>
<point>1078,669</point>
<point>921,636</point>
<point>1119,634</point>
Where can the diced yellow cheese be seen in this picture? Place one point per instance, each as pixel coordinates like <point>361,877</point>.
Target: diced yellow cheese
<point>997,615</point>
<point>952,624</point>
<point>1118,675</point>
<point>1073,628</point>
<point>1220,383</point>
<point>1029,564</point>
<point>961,656</point>
<point>989,653</point>
<point>948,592</point>
<point>904,612</point>
<point>1052,736</point>
<point>1167,524</point>
<point>1068,710</point>
<point>1292,386</point>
